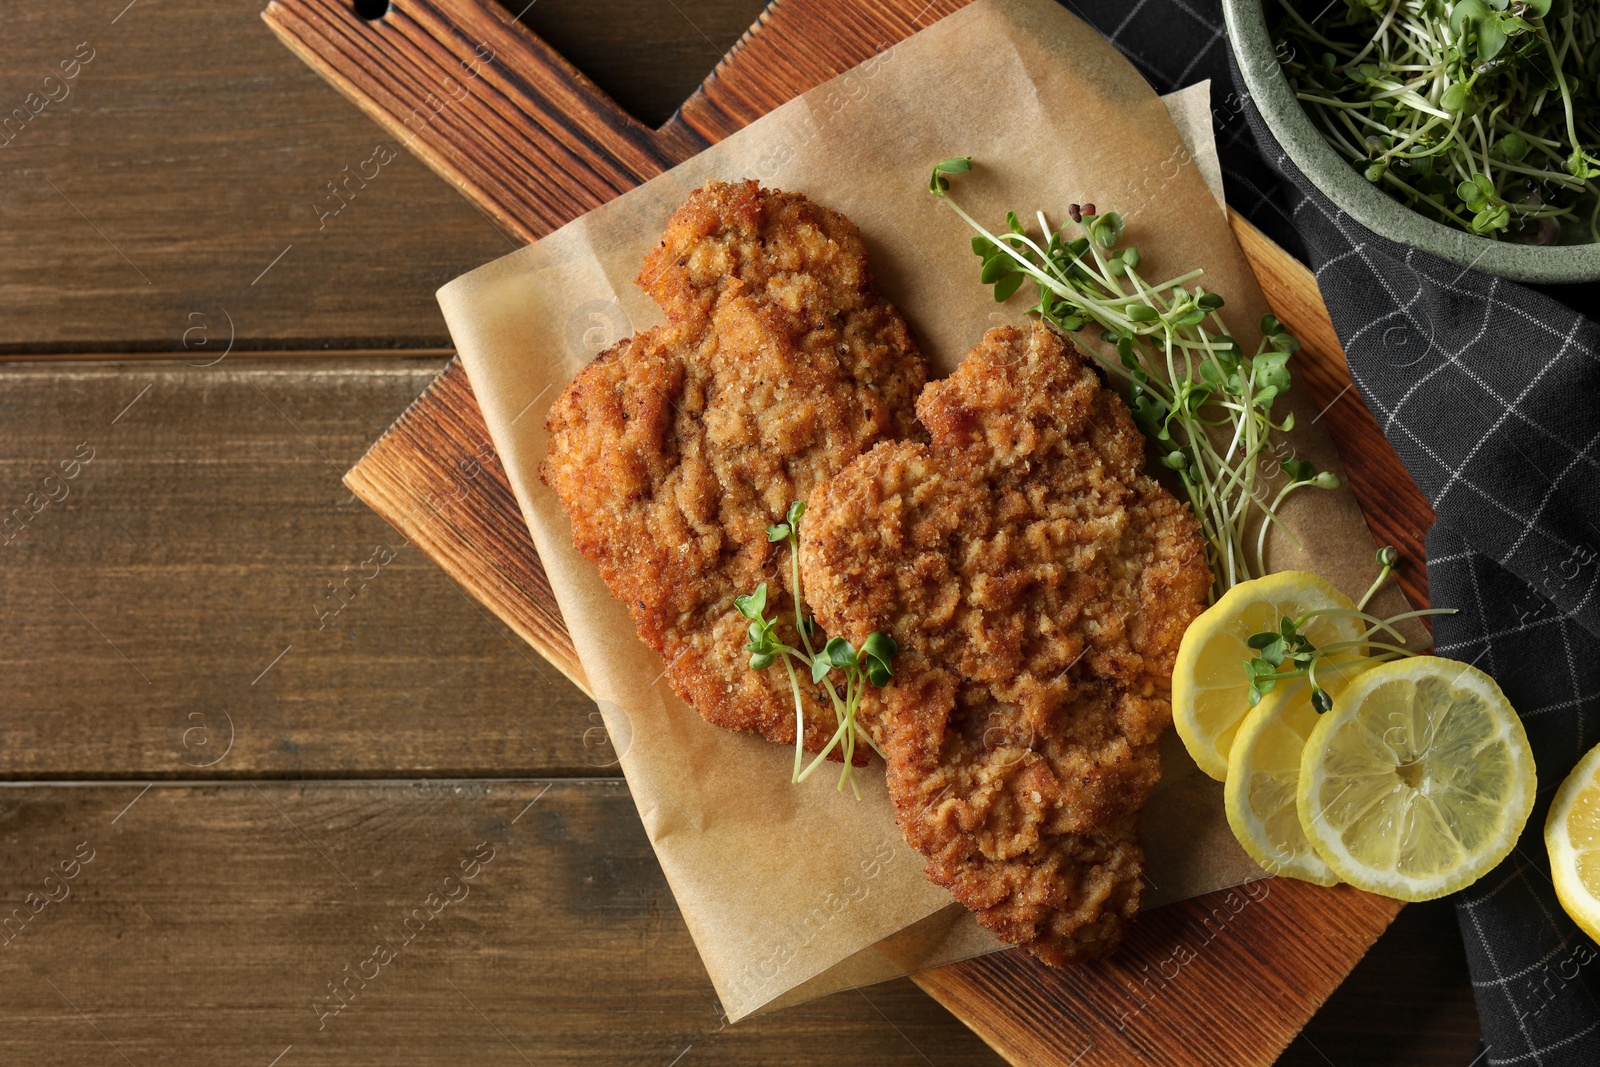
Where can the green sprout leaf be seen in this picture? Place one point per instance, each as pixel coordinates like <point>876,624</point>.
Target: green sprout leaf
<point>1107,229</point>
<point>1272,371</point>
<point>1512,146</point>
<point>752,605</point>
<point>939,183</point>
<point>1299,470</point>
<point>1006,287</point>
<point>839,652</point>
<point>1579,165</point>
<point>878,652</point>
<point>997,267</point>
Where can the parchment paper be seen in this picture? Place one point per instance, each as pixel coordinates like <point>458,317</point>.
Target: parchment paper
<point>791,892</point>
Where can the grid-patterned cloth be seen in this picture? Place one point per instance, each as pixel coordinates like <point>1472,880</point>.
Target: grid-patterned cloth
<point>1490,392</point>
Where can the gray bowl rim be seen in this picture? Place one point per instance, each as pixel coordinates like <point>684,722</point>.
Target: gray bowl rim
<point>1369,205</point>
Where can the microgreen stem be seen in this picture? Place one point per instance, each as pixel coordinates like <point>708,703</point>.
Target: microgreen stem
<point>799,716</point>
<point>1286,651</point>
<point>870,663</point>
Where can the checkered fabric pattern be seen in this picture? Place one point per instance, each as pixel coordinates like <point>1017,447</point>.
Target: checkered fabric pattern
<point>1490,392</point>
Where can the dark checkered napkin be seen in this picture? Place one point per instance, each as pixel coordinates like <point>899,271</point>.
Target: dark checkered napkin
<point>1490,393</point>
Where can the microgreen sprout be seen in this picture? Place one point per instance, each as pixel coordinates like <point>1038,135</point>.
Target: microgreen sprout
<point>1479,113</point>
<point>1191,388</point>
<point>1288,647</point>
<point>872,663</point>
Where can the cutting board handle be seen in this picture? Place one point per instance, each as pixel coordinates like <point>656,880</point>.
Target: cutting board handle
<point>524,134</point>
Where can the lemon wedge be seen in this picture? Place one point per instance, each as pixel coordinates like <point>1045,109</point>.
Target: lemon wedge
<point>1572,836</point>
<point>1264,774</point>
<point>1210,690</point>
<point>1419,780</point>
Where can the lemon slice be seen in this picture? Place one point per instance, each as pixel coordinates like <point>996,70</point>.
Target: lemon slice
<point>1210,690</point>
<point>1264,774</point>
<point>1419,780</point>
<point>1572,836</point>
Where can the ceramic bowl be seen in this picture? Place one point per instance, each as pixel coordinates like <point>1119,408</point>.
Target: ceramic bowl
<point>1367,203</point>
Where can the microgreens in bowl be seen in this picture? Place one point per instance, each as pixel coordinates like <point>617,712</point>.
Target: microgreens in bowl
<point>873,662</point>
<point>1286,653</point>
<point>1482,114</point>
<point>1190,385</point>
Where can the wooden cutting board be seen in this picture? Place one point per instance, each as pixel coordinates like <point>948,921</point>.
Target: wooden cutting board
<point>1225,978</point>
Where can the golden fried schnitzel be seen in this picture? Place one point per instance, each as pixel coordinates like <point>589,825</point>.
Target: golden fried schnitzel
<point>1038,583</point>
<point>675,450</point>
<point>786,250</point>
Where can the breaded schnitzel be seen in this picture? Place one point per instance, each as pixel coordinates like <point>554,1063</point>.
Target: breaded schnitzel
<point>675,450</point>
<point>786,250</point>
<point>1038,583</point>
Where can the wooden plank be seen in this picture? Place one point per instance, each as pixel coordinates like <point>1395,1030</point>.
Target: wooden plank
<point>798,45</point>
<point>208,347</point>
<point>233,924</point>
<point>525,135</point>
<point>201,150</point>
<point>202,538</point>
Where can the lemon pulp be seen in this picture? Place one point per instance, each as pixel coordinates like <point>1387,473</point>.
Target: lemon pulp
<point>1260,794</point>
<point>1419,780</point>
<point>1210,690</point>
<point>1572,837</point>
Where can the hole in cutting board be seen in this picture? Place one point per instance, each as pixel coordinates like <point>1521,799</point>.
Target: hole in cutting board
<point>371,9</point>
<point>647,55</point>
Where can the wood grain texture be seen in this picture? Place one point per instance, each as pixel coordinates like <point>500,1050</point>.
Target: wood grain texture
<point>491,108</point>
<point>408,480</point>
<point>479,142</point>
<point>188,153</point>
<point>1225,978</point>
<point>798,45</point>
<point>144,607</point>
<point>1408,1003</point>
<point>647,55</point>
<point>235,923</point>
<point>525,135</point>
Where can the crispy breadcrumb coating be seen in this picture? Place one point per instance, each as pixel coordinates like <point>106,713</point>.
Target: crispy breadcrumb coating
<point>675,450</point>
<point>1038,583</point>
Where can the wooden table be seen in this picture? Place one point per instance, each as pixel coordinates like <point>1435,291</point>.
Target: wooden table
<point>257,729</point>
